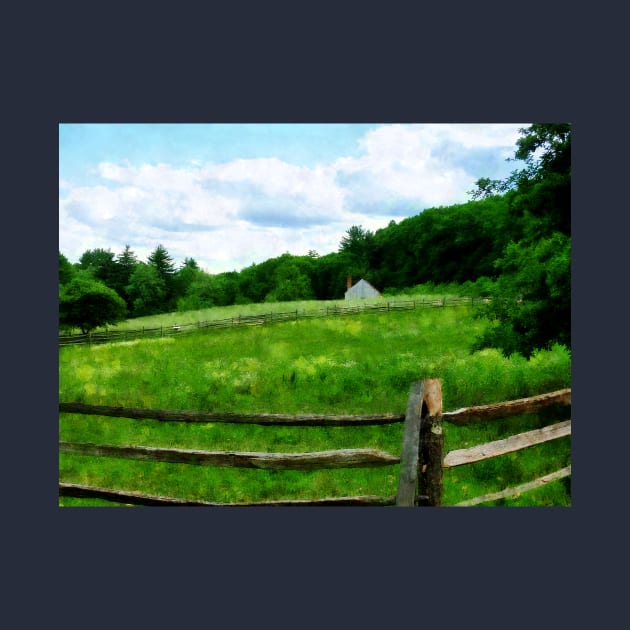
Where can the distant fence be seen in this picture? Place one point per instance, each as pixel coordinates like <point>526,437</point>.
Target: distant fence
<point>421,461</point>
<point>260,320</point>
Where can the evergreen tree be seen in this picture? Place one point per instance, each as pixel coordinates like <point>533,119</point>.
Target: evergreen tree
<point>125,266</point>
<point>163,264</point>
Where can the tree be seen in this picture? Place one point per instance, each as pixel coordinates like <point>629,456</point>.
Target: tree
<point>66,270</point>
<point>291,281</point>
<point>226,287</point>
<point>256,281</point>
<point>531,305</point>
<point>86,303</point>
<point>162,262</point>
<point>146,290</point>
<point>356,248</point>
<point>356,241</point>
<point>100,263</point>
<point>200,293</point>
<point>183,278</point>
<point>543,187</point>
<point>126,263</point>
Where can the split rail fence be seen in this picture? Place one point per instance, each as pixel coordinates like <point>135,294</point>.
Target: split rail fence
<point>261,319</point>
<point>422,459</point>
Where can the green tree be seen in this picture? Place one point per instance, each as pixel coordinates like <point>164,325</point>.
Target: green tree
<point>126,263</point>
<point>226,288</point>
<point>256,281</point>
<point>531,303</point>
<point>100,263</point>
<point>543,186</point>
<point>147,290</point>
<point>162,262</point>
<point>531,306</point>
<point>87,303</point>
<point>200,293</point>
<point>66,270</point>
<point>291,281</point>
<point>358,243</point>
<point>184,277</point>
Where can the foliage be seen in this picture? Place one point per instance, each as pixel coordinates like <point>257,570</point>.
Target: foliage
<point>457,243</point>
<point>146,290</point>
<point>291,281</point>
<point>163,263</point>
<point>200,293</point>
<point>531,303</point>
<point>86,303</point>
<point>184,277</point>
<point>100,263</point>
<point>126,263</point>
<point>358,244</point>
<point>66,270</point>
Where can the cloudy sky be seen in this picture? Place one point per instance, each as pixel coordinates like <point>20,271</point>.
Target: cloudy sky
<point>229,195</point>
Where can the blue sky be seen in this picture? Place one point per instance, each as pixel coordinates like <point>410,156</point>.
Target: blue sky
<point>229,195</point>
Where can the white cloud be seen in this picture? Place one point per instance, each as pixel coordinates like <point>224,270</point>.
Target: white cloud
<point>422,164</point>
<point>228,215</point>
<point>268,183</point>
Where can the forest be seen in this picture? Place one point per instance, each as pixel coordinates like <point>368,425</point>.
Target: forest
<point>511,242</point>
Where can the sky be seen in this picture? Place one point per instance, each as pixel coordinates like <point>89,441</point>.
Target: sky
<point>233,195</point>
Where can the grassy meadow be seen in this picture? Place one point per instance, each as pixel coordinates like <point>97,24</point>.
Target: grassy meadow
<point>353,364</point>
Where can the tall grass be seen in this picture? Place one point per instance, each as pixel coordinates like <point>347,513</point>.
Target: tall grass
<point>360,364</point>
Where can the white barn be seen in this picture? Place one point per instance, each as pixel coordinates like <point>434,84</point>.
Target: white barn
<point>361,290</point>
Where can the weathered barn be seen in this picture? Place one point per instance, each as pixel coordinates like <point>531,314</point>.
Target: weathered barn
<point>361,290</point>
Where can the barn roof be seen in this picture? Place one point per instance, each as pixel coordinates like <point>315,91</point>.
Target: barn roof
<point>362,289</point>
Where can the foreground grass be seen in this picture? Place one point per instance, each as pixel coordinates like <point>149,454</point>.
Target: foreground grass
<point>358,364</point>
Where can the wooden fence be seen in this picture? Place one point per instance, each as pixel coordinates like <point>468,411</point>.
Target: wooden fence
<point>421,461</point>
<point>260,320</point>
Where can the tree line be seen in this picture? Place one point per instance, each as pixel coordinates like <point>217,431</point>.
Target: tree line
<point>511,241</point>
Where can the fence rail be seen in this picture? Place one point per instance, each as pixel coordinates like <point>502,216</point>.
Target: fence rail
<point>259,320</point>
<point>422,459</point>
<point>171,415</point>
<point>138,498</point>
<point>345,458</point>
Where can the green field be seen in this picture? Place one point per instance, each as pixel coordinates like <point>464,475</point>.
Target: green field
<point>354,364</point>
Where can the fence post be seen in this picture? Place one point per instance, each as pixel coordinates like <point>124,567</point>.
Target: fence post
<point>408,476</point>
<point>431,445</point>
